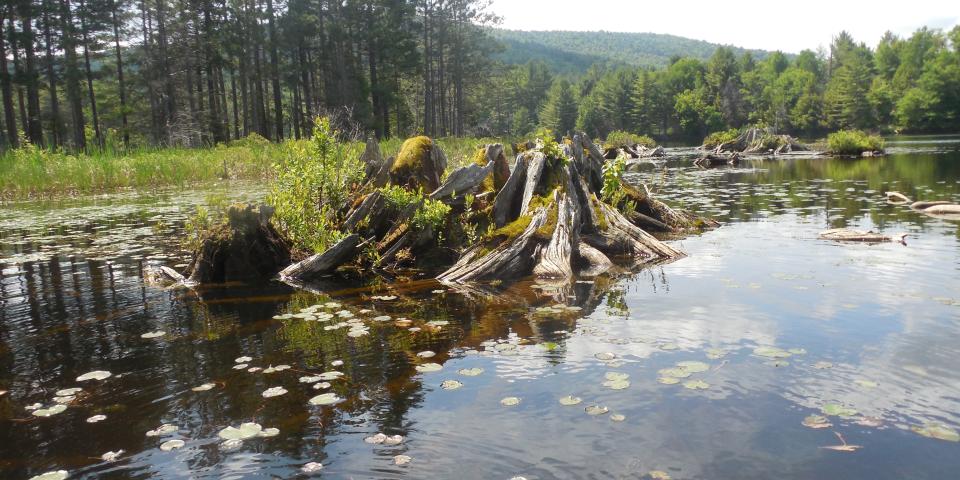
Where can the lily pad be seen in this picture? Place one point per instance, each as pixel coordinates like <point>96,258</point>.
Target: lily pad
<point>596,410</point>
<point>696,385</point>
<point>605,356</point>
<point>157,334</point>
<point>668,380</point>
<point>94,375</point>
<point>243,359</point>
<point>331,375</point>
<point>393,440</point>
<point>429,367</point>
<point>111,456</point>
<point>778,363</point>
<point>451,385</point>
<point>165,429</point>
<point>616,384</point>
<point>54,475</point>
<point>64,400</point>
<point>822,365</point>
<point>243,432</point>
<point>171,445</point>
<point>658,475</point>
<point>426,354</point>
<point>274,392</point>
<point>382,318</point>
<point>675,372</point>
<point>66,392</point>
<point>321,385</point>
<point>835,409</point>
<point>375,439</point>
<point>278,368</point>
<point>311,467</point>
<point>510,401</point>
<point>204,387</point>
<point>816,421</point>
<point>269,432</point>
<point>401,459</point>
<point>616,417</point>
<point>771,352</point>
<point>96,418</point>
<point>240,366</point>
<point>326,399</point>
<point>570,400</point>
<point>716,353</point>
<point>694,366</point>
<point>49,412</point>
<point>938,431</point>
<point>612,376</point>
<point>336,363</point>
<point>470,372</point>
<point>797,351</point>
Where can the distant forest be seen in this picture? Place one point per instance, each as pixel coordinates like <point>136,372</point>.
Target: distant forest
<point>78,74</point>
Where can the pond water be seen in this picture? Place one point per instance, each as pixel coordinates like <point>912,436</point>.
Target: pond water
<point>769,325</point>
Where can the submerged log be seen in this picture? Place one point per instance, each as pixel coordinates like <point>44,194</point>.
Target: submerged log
<point>340,253</point>
<point>246,247</point>
<point>926,205</point>
<point>848,235</point>
<point>897,198</point>
<point>715,160</point>
<point>943,209</point>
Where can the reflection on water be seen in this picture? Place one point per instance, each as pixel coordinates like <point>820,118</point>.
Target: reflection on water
<point>789,325</point>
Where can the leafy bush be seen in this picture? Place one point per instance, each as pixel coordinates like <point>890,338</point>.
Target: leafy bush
<point>715,139</point>
<point>620,138</point>
<point>314,181</point>
<point>430,213</point>
<point>853,142</point>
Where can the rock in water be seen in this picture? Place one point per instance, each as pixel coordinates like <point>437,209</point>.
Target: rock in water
<point>246,247</point>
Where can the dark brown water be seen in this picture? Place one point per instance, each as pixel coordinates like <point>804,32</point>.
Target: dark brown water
<point>870,329</point>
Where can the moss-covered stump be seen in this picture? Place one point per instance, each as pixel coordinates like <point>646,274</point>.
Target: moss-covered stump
<point>759,141</point>
<point>419,165</point>
<point>245,247</point>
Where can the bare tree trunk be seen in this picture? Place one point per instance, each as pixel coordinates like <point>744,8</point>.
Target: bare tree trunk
<point>120,83</point>
<point>10,117</point>
<point>95,118</point>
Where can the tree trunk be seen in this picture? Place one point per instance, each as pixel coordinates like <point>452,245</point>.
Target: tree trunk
<point>56,123</point>
<point>72,77</point>
<point>120,82</point>
<point>95,118</point>
<point>275,71</point>
<point>9,116</point>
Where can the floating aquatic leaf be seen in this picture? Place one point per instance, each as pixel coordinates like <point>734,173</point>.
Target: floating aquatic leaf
<point>843,447</point>
<point>816,421</point>
<point>382,318</point>
<point>797,351</point>
<point>66,392</point>
<point>616,384</point>
<point>336,363</point>
<point>96,418</point>
<point>470,372</point>
<point>675,372</point>
<point>549,346</point>
<point>872,422</point>
<point>668,346</point>
<point>269,432</point>
<point>570,400</point>
<point>938,431</point>
<point>33,407</point>
<point>658,475</point>
<point>822,365</point>
<point>696,385</point>
<point>605,356</point>
<point>616,417</point>
<point>240,366</point>
<point>278,368</point>
<point>204,387</point>
<point>111,456</point>
<point>614,376</point>
<point>243,432</point>
<point>355,333</point>
<point>510,401</point>
<point>668,380</point>
<point>835,409</point>
<point>157,334</point>
<point>64,400</point>
<point>274,392</point>
<point>426,354</point>
<point>393,440</point>
<point>311,467</point>
<point>321,385</point>
<point>866,383</point>
<point>771,352</point>
<point>331,375</point>
<point>778,363</point>
<point>375,439</point>
<point>165,429</point>
<point>693,366</point>
<point>401,459</point>
<point>326,399</point>
<point>242,360</point>
<point>310,379</point>
<point>54,475</point>
<point>171,445</point>
<point>94,375</point>
<point>429,367</point>
<point>254,369</point>
<point>450,385</point>
<point>596,410</point>
<point>230,445</point>
<point>49,412</point>
<point>716,353</point>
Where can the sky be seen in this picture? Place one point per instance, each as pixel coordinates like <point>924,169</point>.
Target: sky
<point>768,25</point>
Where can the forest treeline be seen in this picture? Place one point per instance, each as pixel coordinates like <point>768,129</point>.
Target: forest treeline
<point>79,74</point>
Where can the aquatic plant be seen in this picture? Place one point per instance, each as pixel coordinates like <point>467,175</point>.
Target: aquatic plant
<point>853,142</point>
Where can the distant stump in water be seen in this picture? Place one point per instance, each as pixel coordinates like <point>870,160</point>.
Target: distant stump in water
<point>246,247</point>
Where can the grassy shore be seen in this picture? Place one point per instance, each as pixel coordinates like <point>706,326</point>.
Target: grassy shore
<point>31,172</point>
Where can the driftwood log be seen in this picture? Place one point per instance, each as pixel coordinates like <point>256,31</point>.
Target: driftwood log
<point>847,235</point>
<point>711,160</point>
<point>759,141</point>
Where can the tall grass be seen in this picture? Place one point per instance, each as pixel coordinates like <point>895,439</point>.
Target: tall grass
<point>853,142</point>
<point>33,172</point>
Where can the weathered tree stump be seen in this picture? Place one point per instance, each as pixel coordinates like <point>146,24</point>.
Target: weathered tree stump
<point>246,247</point>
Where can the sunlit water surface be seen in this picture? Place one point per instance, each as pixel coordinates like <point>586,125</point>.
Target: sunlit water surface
<point>870,329</point>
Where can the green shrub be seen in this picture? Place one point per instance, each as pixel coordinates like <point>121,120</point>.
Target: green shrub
<point>715,139</point>
<point>620,138</point>
<point>314,180</point>
<point>853,142</point>
<point>430,213</point>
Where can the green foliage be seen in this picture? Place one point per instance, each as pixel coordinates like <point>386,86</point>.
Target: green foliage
<point>717,138</point>
<point>429,214</point>
<point>853,142</point>
<point>412,154</point>
<point>612,175</point>
<point>547,143</point>
<point>208,218</point>
<point>620,138</point>
<point>559,113</point>
<point>313,181</point>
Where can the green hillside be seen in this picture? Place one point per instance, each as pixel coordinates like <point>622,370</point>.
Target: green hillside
<point>572,52</point>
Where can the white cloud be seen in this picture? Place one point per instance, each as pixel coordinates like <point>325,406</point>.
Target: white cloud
<point>761,24</point>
